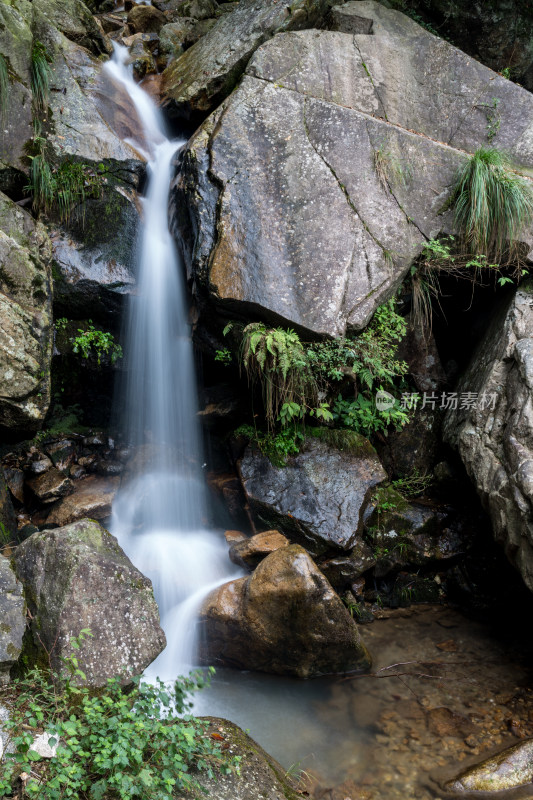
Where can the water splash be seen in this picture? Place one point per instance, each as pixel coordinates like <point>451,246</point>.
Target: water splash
<point>159,516</point>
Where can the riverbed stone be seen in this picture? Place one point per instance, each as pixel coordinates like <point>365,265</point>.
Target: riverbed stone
<point>324,236</point>
<point>509,769</point>
<point>284,618</point>
<point>259,776</point>
<point>12,618</point>
<point>319,497</point>
<point>50,485</point>
<point>77,577</point>
<point>494,433</point>
<point>146,19</point>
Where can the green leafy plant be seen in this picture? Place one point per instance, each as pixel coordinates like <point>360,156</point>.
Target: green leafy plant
<point>277,358</point>
<point>224,356</point>
<point>412,485</point>
<point>97,343</point>
<point>112,744</point>
<point>275,446</point>
<point>493,205</point>
<point>57,190</point>
<point>40,75</point>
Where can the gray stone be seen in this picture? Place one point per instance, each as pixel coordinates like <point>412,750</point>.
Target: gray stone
<point>8,523</point>
<point>322,237</point>
<point>73,19</point>
<point>77,577</point>
<point>318,499</point>
<point>343,571</point>
<point>209,70</point>
<point>26,314</point>
<point>284,618</point>
<point>13,618</point>
<point>260,777</point>
<point>146,19</point>
<point>494,436</point>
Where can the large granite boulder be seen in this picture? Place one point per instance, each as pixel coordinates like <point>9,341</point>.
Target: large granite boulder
<point>209,70</point>
<point>259,776</point>
<point>493,427</point>
<point>13,616</point>
<point>77,577</point>
<point>284,618</point>
<point>319,497</point>
<point>26,312</point>
<point>363,135</point>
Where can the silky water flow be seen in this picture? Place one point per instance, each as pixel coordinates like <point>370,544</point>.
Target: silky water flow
<point>159,516</point>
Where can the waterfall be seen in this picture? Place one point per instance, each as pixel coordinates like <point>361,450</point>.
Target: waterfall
<point>160,514</point>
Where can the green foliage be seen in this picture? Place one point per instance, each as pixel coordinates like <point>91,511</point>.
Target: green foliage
<point>277,358</point>
<point>224,356</point>
<point>57,190</point>
<point>494,119</point>
<point>297,378</point>
<point>4,86</point>
<point>93,342</point>
<point>412,485</point>
<point>493,205</point>
<point>277,447</point>
<point>113,744</point>
<point>40,76</point>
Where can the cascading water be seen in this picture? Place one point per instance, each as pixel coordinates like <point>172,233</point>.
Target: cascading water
<point>159,516</point>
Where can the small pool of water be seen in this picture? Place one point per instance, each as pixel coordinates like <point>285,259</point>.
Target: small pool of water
<point>458,691</point>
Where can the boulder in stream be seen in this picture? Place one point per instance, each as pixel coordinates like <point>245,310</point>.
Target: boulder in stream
<point>77,577</point>
<point>319,497</point>
<point>284,618</point>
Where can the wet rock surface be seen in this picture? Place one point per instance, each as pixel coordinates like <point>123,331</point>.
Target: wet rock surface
<point>511,768</point>
<point>284,619</point>
<point>250,552</point>
<point>92,497</point>
<point>77,577</point>
<point>12,618</point>
<point>319,497</point>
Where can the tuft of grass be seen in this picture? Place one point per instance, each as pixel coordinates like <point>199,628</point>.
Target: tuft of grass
<point>493,205</point>
<point>42,183</point>
<point>4,86</point>
<point>40,75</point>
<point>389,169</point>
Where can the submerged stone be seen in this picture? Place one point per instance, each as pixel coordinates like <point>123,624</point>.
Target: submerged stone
<point>509,769</point>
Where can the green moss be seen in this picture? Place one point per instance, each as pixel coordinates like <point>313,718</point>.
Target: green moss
<point>344,440</point>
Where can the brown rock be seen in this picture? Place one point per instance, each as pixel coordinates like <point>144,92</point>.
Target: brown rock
<point>50,485</point>
<point>92,497</point>
<point>146,19</point>
<point>284,618</point>
<point>234,536</point>
<point>444,722</point>
<point>250,552</point>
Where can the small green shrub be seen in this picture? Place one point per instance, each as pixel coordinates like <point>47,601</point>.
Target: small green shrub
<point>113,744</point>
<point>40,76</point>
<point>93,342</point>
<point>492,204</point>
<point>58,190</point>
<point>391,171</point>
<point>275,446</point>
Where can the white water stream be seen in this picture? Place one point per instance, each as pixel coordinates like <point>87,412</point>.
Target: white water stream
<point>159,516</point>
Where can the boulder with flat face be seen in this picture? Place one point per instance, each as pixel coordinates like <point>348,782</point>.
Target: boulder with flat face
<point>363,135</point>
<point>77,578</point>
<point>284,618</point>
<point>13,619</point>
